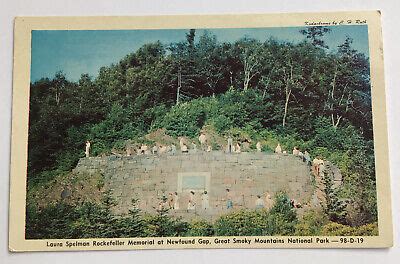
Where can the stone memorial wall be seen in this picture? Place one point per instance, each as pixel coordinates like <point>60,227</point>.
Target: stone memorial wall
<point>150,177</point>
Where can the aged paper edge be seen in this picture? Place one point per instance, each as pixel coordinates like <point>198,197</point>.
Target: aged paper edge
<point>20,109</point>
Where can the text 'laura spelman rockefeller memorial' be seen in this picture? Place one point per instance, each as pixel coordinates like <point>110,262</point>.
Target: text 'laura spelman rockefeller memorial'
<point>193,241</point>
<point>240,134</point>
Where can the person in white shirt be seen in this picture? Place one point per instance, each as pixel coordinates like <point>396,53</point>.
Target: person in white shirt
<point>238,148</point>
<point>317,165</point>
<point>128,150</point>
<point>194,147</point>
<point>171,201</point>
<point>191,203</point>
<point>176,201</point>
<point>162,149</point>
<point>154,150</point>
<point>181,142</point>
<point>307,157</point>
<point>258,146</point>
<point>296,151</point>
<point>184,148</point>
<point>173,149</point>
<point>230,145</point>
<point>204,201</point>
<point>259,202</point>
<point>203,141</point>
<point>143,149</point>
<point>87,149</point>
<point>278,149</point>
<point>269,202</point>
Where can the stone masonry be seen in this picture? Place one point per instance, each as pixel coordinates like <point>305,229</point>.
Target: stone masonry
<point>150,177</point>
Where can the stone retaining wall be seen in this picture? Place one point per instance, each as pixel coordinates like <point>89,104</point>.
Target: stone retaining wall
<point>149,177</point>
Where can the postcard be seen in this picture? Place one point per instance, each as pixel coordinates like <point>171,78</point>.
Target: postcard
<point>199,131</point>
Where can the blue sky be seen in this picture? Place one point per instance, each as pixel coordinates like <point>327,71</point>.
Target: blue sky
<point>84,51</point>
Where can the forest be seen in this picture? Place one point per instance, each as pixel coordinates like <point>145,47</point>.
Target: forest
<point>302,94</point>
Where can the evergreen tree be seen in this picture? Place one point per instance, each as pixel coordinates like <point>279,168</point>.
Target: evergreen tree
<point>282,218</point>
<point>97,221</point>
<point>315,35</point>
<point>133,225</point>
<point>162,225</point>
<point>334,207</point>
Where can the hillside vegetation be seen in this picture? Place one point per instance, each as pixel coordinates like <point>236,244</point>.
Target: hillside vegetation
<point>301,95</point>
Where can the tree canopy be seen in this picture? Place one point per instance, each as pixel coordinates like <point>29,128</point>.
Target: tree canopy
<point>299,90</point>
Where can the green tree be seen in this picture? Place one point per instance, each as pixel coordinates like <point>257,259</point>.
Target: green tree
<point>283,218</point>
<point>311,223</point>
<point>52,222</point>
<point>162,225</point>
<point>133,225</point>
<point>334,208</point>
<point>96,221</point>
<point>200,228</point>
<point>315,35</point>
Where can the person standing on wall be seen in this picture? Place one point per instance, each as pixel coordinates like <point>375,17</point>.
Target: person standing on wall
<point>259,146</point>
<point>229,202</point>
<point>87,149</point>
<point>278,149</point>
<point>230,144</point>
<point>203,141</point>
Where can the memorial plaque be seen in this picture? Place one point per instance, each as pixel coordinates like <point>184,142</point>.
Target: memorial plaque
<point>193,182</point>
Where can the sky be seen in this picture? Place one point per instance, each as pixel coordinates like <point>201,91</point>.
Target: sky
<point>75,52</point>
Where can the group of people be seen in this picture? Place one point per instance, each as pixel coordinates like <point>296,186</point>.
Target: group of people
<point>267,203</point>
<point>231,147</point>
<point>296,152</point>
<point>304,156</point>
<point>192,201</point>
<point>156,149</point>
<point>260,202</point>
<point>317,163</point>
<point>173,202</point>
<point>144,149</point>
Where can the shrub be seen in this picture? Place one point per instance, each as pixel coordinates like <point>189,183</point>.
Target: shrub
<point>335,229</point>
<point>242,223</point>
<point>221,123</point>
<point>52,222</point>
<point>311,224</point>
<point>280,220</point>
<point>283,218</point>
<point>200,228</point>
<point>163,226</point>
<point>184,119</point>
<point>61,221</point>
